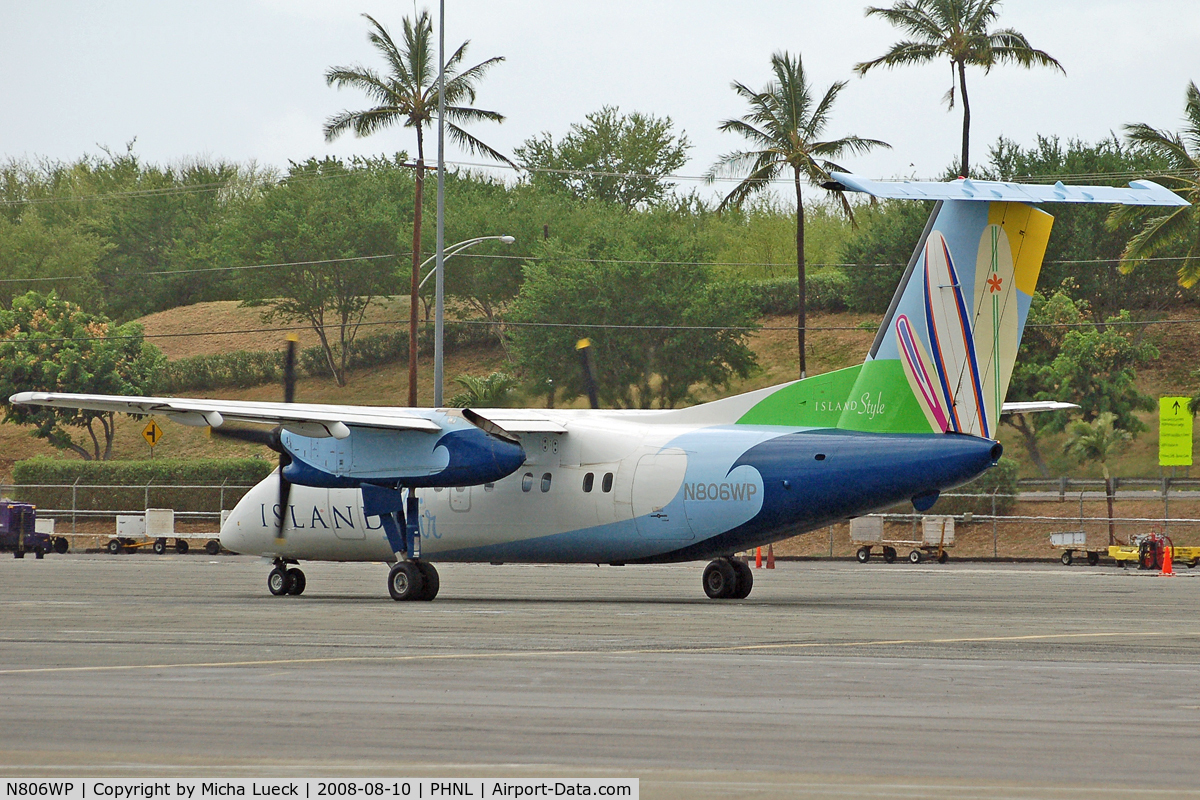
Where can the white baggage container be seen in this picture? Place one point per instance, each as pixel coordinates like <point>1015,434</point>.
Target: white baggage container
<point>868,530</point>
<point>937,530</point>
<point>160,522</point>
<point>131,526</point>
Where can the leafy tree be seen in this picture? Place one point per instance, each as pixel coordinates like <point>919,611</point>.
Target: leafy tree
<point>637,363</point>
<point>619,158</point>
<point>958,30</point>
<point>52,345</point>
<point>322,212</point>
<point>879,249</point>
<point>492,391</point>
<point>1066,357</point>
<point>407,94</point>
<point>1161,229</point>
<point>784,122</point>
<point>32,251</point>
<point>1099,440</point>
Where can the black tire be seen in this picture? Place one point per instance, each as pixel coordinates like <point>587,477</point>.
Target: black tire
<point>943,557</point>
<point>720,581</point>
<point>296,582</point>
<point>863,555</point>
<point>212,547</point>
<point>1093,559</point>
<point>278,582</point>
<point>745,580</point>
<point>405,581</point>
<point>18,553</point>
<point>160,546</point>
<point>181,546</point>
<point>432,582</point>
<point>39,553</point>
<point>61,545</point>
<point>1122,563</point>
<point>915,556</point>
<point>1066,558</point>
<point>114,546</point>
<point>889,554</point>
<point>1193,563</point>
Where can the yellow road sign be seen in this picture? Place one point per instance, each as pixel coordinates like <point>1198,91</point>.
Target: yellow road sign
<point>152,433</point>
<point>1174,432</point>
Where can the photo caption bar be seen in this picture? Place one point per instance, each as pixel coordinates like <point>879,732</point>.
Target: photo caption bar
<point>318,789</point>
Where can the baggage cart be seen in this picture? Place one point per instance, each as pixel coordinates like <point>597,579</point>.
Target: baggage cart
<point>937,533</point>
<point>1092,544</point>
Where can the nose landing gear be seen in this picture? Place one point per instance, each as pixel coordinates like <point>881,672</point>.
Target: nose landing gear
<point>284,580</point>
<point>728,579</point>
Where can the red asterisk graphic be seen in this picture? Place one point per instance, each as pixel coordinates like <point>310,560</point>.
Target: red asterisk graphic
<point>994,283</point>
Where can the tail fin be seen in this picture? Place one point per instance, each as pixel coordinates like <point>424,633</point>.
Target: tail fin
<point>944,355</point>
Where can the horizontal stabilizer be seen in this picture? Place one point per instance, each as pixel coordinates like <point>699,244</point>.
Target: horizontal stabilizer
<point>1138,193</point>
<point>1034,406</point>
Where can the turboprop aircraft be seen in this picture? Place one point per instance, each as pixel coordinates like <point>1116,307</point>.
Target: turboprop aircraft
<point>414,486</point>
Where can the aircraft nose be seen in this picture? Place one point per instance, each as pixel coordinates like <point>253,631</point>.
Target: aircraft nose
<point>243,529</point>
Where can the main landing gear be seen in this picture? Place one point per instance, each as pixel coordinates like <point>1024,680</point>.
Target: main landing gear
<point>285,580</point>
<point>728,579</point>
<point>413,580</point>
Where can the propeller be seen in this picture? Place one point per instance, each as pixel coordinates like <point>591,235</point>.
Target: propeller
<point>272,438</point>
<point>589,379</point>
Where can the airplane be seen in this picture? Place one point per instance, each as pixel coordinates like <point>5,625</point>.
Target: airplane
<point>413,486</point>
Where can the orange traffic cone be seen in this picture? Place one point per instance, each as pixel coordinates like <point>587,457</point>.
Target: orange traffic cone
<point>1166,560</point>
<point>758,558</point>
<point>770,557</point>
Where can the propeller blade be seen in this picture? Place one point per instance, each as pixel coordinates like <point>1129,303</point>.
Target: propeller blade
<point>285,494</point>
<point>289,396</point>
<point>589,379</point>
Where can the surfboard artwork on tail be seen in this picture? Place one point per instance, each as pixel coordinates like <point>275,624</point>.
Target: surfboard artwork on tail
<point>413,486</point>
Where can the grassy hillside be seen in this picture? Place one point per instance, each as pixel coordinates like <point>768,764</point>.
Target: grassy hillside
<point>844,343</point>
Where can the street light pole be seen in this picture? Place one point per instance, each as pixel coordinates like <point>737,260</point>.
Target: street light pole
<point>438,270</point>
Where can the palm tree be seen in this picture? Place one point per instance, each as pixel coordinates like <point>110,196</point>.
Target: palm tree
<point>1180,224</point>
<point>958,30</point>
<point>492,391</point>
<point>785,124</point>
<point>407,94</point>
<point>1099,440</point>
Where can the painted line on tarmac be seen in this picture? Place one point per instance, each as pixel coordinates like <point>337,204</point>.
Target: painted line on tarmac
<point>736,648</point>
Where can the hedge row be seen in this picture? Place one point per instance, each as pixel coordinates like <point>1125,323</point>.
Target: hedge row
<point>153,484</point>
<point>245,368</point>
<point>824,291</point>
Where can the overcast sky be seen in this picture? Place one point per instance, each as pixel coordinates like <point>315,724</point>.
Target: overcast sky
<point>243,79</point>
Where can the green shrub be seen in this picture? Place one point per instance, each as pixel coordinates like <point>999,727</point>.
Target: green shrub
<point>1001,479</point>
<point>825,291</point>
<point>153,483</point>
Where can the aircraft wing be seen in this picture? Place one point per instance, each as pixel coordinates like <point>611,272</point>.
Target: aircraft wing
<point>305,419</point>
<point>1138,193</point>
<point>1032,406</point>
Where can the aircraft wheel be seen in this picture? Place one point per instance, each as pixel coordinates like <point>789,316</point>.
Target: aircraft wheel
<point>430,579</point>
<point>160,546</point>
<point>404,581</point>
<point>720,581</point>
<point>915,556</point>
<point>181,546</point>
<point>296,582</point>
<point>212,547</point>
<point>1093,559</point>
<point>114,546</point>
<point>745,580</point>
<point>863,555</point>
<point>61,545</point>
<point>889,554</point>
<point>1066,558</point>
<point>278,582</point>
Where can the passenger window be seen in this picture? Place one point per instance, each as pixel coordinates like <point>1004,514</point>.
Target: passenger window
<point>546,482</point>
<point>489,487</point>
<point>526,481</point>
<point>588,481</point>
<point>606,485</point>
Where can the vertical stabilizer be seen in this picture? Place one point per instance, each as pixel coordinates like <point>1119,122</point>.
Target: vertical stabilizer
<point>944,355</point>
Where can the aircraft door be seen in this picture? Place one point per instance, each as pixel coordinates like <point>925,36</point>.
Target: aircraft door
<point>657,506</point>
<point>460,498</point>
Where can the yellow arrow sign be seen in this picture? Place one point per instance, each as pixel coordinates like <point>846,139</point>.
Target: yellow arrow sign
<point>152,433</point>
<point>1174,432</point>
